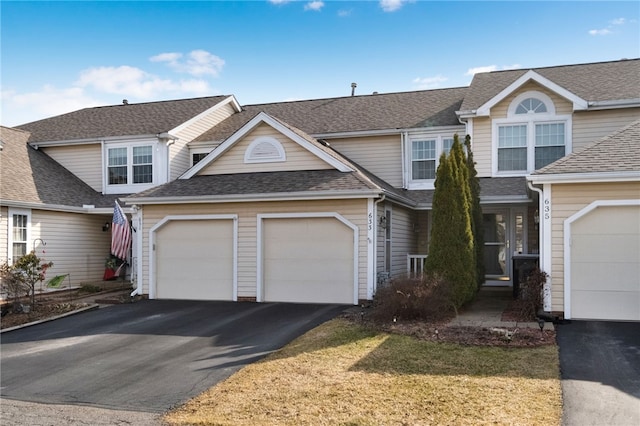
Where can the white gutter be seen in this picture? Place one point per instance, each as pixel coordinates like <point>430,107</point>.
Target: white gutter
<point>375,242</point>
<point>279,196</point>
<point>617,103</point>
<point>546,290</point>
<point>382,132</point>
<point>586,177</point>
<point>96,139</point>
<point>60,208</point>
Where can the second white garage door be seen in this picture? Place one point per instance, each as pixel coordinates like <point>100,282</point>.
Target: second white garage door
<point>605,264</point>
<point>308,260</point>
<point>194,260</point>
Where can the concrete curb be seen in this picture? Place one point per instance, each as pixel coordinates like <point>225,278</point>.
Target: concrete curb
<point>67,314</point>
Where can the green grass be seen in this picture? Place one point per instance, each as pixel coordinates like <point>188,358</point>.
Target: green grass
<point>343,374</point>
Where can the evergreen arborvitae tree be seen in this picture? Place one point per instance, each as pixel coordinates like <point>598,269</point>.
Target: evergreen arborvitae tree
<point>451,248</point>
<point>476,213</point>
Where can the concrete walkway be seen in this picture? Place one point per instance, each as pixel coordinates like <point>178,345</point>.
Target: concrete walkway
<point>486,311</point>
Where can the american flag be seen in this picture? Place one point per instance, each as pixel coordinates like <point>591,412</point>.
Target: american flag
<point>120,233</point>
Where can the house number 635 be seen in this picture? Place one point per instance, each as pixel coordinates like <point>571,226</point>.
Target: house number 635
<point>547,208</point>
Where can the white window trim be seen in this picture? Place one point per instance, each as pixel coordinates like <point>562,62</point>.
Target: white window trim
<point>423,183</point>
<point>249,157</point>
<point>10,213</point>
<point>130,187</point>
<point>529,120</point>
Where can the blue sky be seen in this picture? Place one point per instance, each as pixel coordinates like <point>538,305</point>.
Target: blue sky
<point>57,57</point>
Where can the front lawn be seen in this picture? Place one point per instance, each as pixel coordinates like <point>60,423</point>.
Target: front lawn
<point>344,373</point>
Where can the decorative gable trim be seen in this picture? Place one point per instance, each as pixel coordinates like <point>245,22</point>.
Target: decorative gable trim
<point>578,103</point>
<point>264,149</point>
<point>276,125</point>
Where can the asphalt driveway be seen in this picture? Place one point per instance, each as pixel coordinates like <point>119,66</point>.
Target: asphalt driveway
<point>600,369</point>
<point>148,356</point>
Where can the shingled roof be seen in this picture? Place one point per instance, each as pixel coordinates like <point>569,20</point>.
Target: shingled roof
<point>28,175</point>
<point>119,120</point>
<point>602,81</point>
<point>618,152</point>
<point>354,113</point>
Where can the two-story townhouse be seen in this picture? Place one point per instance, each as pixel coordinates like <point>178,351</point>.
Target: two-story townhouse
<point>318,200</point>
<point>60,177</point>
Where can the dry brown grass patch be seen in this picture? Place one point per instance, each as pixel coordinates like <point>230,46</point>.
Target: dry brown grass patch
<point>344,374</point>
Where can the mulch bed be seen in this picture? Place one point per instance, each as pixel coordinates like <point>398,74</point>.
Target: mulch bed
<point>440,331</point>
<point>41,311</point>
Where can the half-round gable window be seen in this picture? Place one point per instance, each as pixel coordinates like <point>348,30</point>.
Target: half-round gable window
<point>531,102</point>
<point>264,149</point>
<point>531,106</point>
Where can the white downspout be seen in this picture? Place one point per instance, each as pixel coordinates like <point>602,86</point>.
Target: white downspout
<point>136,220</point>
<point>375,241</point>
<point>546,300</point>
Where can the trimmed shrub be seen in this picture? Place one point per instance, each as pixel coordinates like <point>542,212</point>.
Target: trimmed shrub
<point>530,296</point>
<point>427,298</point>
<point>476,213</point>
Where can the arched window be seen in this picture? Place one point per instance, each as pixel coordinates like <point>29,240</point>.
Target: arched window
<point>264,149</point>
<point>531,106</point>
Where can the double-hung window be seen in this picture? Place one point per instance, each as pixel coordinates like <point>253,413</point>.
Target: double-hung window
<point>130,167</point>
<point>531,136</point>
<point>425,151</point>
<point>19,233</point>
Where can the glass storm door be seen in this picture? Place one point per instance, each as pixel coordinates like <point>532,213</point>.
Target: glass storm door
<point>497,257</point>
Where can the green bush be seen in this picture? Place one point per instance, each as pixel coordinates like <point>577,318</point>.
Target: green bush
<point>427,298</point>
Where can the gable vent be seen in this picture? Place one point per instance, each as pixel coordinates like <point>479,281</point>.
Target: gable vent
<point>264,150</point>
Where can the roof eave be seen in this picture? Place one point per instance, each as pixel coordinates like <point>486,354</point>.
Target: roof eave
<point>98,139</point>
<point>244,198</point>
<point>587,177</point>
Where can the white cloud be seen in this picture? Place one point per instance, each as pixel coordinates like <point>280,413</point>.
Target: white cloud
<point>600,32</point>
<point>343,13</point>
<point>490,68</point>
<point>280,1</point>
<point>20,108</point>
<point>619,21</point>
<point>424,83</point>
<point>197,62</point>
<point>315,5</point>
<point>392,5</point>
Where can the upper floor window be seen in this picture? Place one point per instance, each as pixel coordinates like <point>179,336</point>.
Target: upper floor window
<point>531,137</point>
<point>425,154</point>
<point>129,167</point>
<point>197,157</point>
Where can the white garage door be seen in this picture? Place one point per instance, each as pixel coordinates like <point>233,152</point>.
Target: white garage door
<point>605,264</point>
<point>194,260</point>
<point>308,260</point>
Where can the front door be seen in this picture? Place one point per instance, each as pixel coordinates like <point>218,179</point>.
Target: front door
<point>497,256</point>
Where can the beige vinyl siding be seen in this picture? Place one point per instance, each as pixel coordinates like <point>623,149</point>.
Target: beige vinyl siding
<point>567,199</point>
<point>381,155</point>
<point>4,234</point>
<point>353,210</point>
<point>232,161</point>
<point>589,126</point>
<point>481,145</point>
<point>179,156</point>
<point>84,161</point>
<point>75,243</point>
<point>403,239</point>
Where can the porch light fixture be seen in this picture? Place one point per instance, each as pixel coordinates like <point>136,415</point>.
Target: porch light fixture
<point>536,217</point>
<point>106,227</point>
<point>383,222</point>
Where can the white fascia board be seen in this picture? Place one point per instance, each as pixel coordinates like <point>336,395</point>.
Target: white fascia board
<point>229,100</point>
<point>614,104</point>
<point>578,103</point>
<point>263,117</point>
<point>95,140</point>
<point>497,199</point>
<point>61,208</point>
<point>244,198</point>
<point>585,177</point>
<point>384,132</point>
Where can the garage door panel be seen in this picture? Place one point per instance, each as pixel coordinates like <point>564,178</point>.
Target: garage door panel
<point>308,260</point>
<point>605,264</point>
<point>595,276</point>
<point>596,247</point>
<point>606,305</point>
<point>194,260</point>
